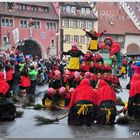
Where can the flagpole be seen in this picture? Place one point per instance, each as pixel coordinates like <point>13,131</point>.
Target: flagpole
<point>59,36</point>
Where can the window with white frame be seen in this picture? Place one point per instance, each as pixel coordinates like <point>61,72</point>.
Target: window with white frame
<point>120,38</point>
<point>74,24</point>
<point>48,25</point>
<point>5,40</point>
<point>87,11</point>
<point>22,7</point>
<point>67,38</point>
<point>7,22</point>
<point>34,8</point>
<point>46,9</point>
<point>83,10</point>
<point>89,25</point>
<point>82,39</point>
<point>23,24</point>
<point>64,9</point>
<point>36,24</point>
<point>68,9</point>
<point>70,23</point>
<point>76,38</point>
<point>54,26</point>
<point>66,23</point>
<point>62,23</point>
<point>83,24</point>
<point>78,24</point>
<point>73,10</point>
<point>71,38</point>
<point>51,25</point>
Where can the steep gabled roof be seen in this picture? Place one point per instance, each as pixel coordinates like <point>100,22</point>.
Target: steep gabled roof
<point>114,19</point>
<point>51,15</point>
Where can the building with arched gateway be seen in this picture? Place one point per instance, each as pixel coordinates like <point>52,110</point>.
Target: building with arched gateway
<point>30,26</point>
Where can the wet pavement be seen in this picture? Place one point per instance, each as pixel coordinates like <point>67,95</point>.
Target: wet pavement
<point>26,126</point>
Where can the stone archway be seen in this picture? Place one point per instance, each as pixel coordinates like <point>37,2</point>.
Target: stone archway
<point>32,47</point>
<point>133,48</point>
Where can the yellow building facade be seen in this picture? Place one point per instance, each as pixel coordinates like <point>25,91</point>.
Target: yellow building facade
<point>74,23</point>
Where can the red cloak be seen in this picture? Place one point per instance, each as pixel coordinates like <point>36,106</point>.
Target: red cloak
<point>115,46</point>
<point>25,81</point>
<point>105,92</point>
<point>134,85</point>
<point>9,75</point>
<point>83,92</point>
<point>3,84</point>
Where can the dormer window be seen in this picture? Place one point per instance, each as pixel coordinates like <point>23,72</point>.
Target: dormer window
<point>34,8</point>
<point>22,7</point>
<point>46,9</point>
<point>85,11</point>
<point>73,10</point>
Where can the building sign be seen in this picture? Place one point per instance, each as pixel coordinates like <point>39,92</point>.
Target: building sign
<point>43,35</point>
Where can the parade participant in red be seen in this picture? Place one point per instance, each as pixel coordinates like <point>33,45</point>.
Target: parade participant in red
<point>115,83</point>
<point>94,39</point>
<point>107,68</point>
<point>100,68</point>
<point>7,109</point>
<point>67,80</point>
<point>97,57</point>
<point>25,80</point>
<point>92,67</point>
<point>93,76</point>
<point>87,75</point>
<point>93,80</point>
<point>84,67</point>
<point>3,85</point>
<point>134,93</point>
<point>88,57</point>
<point>107,78</point>
<point>9,76</point>
<point>49,99</point>
<point>113,47</point>
<point>82,104</point>
<point>56,81</point>
<point>75,53</point>
<point>76,79</point>
<point>68,96</point>
<point>61,97</point>
<point>106,101</point>
<point>99,76</point>
<point>124,68</point>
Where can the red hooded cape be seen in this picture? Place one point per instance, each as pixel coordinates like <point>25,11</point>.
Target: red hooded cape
<point>9,75</point>
<point>83,92</point>
<point>25,81</point>
<point>134,85</point>
<point>3,84</point>
<point>115,46</point>
<point>95,58</point>
<point>105,93</point>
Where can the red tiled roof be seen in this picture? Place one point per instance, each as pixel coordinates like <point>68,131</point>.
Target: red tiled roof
<point>120,22</point>
<point>51,15</point>
<point>135,6</point>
